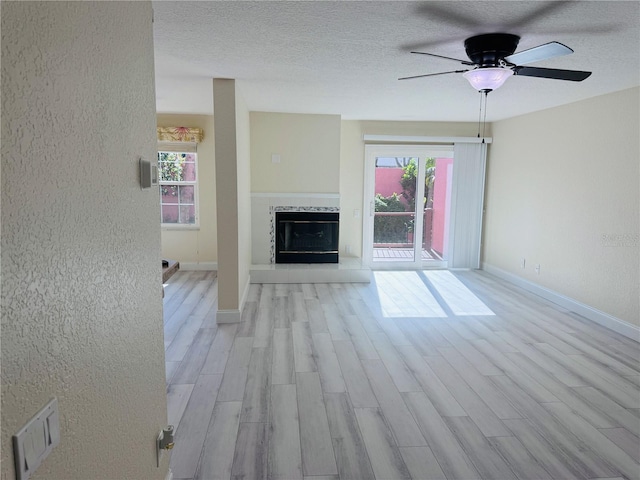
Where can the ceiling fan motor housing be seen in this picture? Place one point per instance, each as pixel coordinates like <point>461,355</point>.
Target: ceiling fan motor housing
<point>488,49</point>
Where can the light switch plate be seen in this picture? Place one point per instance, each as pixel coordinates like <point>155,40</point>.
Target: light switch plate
<point>148,174</point>
<point>33,442</point>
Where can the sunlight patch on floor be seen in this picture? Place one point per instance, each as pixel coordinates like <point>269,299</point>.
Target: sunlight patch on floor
<point>458,297</point>
<point>404,294</point>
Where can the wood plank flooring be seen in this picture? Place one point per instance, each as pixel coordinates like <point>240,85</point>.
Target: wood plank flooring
<point>419,375</point>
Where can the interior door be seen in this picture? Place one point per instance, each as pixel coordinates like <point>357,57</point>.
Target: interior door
<point>407,203</point>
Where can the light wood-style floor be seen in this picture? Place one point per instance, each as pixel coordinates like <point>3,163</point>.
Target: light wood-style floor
<point>423,375</point>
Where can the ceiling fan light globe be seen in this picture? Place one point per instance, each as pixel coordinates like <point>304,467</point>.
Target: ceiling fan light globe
<point>487,79</point>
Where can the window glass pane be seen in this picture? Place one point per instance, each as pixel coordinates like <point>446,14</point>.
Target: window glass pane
<point>189,168</point>
<point>187,214</point>
<point>165,162</point>
<point>172,165</point>
<point>169,213</point>
<point>187,194</point>
<point>168,194</point>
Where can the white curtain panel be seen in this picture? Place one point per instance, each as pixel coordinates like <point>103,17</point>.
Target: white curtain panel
<point>467,204</point>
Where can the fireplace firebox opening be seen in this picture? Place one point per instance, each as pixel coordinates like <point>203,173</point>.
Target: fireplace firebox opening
<point>307,237</point>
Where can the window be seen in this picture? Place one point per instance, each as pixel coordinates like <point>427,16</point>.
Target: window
<point>178,186</point>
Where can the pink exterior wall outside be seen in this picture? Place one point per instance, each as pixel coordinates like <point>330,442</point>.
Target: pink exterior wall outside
<point>388,181</point>
<point>440,203</point>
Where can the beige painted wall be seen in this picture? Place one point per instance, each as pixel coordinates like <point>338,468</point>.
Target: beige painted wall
<point>243,138</point>
<point>196,245</point>
<point>309,147</point>
<point>352,166</point>
<point>82,306</point>
<point>562,191</point>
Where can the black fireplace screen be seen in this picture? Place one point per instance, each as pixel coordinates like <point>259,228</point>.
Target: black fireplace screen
<point>307,237</point>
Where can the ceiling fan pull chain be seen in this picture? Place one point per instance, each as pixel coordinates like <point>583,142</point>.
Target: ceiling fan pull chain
<point>484,121</point>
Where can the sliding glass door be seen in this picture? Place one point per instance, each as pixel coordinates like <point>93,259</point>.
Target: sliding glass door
<point>408,198</point>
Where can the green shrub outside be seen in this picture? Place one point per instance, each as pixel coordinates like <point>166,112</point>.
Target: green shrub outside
<point>393,229</point>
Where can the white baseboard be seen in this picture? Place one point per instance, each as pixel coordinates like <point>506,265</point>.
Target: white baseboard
<point>593,314</point>
<point>196,266</point>
<point>234,315</point>
<point>228,316</point>
<point>245,293</point>
<point>169,475</point>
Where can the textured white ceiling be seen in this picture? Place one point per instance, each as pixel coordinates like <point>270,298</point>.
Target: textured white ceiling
<point>339,57</point>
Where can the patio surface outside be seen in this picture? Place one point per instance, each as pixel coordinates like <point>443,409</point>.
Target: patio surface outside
<point>400,254</point>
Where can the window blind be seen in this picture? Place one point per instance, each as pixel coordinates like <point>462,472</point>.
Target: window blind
<point>465,233</point>
<point>186,147</point>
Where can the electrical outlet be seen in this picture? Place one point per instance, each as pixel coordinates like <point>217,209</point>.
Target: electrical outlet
<point>538,269</point>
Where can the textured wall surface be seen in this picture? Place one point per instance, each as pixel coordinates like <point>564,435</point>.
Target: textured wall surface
<point>562,192</point>
<point>81,301</point>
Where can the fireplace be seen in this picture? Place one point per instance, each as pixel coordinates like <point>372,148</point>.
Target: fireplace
<point>307,237</point>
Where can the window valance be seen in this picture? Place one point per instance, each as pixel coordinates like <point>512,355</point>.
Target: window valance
<point>180,134</point>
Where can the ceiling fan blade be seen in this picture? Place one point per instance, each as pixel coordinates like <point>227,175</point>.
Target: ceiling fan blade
<point>541,52</point>
<point>433,74</point>
<point>451,15</point>
<point>539,13</point>
<point>464,15</point>
<point>429,44</point>
<point>558,74</point>
<point>464,62</point>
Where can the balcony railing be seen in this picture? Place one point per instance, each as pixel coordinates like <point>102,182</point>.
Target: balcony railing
<point>395,229</point>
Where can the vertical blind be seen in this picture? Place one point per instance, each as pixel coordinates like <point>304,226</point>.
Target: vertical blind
<point>467,204</point>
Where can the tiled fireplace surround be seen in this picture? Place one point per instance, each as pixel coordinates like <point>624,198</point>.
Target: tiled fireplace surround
<point>264,269</point>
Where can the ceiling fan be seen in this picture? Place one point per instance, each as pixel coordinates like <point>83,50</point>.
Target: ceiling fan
<point>493,61</point>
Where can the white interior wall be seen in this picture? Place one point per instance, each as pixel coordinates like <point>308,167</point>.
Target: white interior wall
<point>81,273</point>
<point>309,150</point>
<point>562,192</point>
